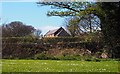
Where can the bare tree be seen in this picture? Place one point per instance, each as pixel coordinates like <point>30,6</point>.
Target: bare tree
<point>37,33</point>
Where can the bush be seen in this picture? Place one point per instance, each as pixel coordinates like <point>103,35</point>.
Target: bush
<point>40,56</point>
<point>18,40</point>
<point>55,40</point>
<point>43,56</point>
<point>20,47</point>
<point>89,41</point>
<point>28,47</point>
<point>68,57</point>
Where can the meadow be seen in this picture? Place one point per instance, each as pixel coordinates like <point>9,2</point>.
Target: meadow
<point>58,66</point>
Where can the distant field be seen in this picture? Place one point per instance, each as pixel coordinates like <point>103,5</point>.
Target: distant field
<point>58,66</point>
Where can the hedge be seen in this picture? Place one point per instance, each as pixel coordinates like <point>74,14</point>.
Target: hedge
<point>28,47</point>
<point>20,47</point>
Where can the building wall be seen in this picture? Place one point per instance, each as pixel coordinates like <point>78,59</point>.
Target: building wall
<point>51,35</point>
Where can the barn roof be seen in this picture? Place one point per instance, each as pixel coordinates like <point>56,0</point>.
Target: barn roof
<point>51,32</point>
<point>54,31</point>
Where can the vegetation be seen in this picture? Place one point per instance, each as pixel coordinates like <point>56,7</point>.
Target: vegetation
<point>107,19</point>
<point>58,66</point>
<point>37,33</point>
<point>26,39</point>
<point>30,47</point>
<point>110,27</point>
<point>95,37</point>
<point>16,29</point>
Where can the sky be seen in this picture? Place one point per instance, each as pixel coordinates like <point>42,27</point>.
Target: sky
<point>30,14</point>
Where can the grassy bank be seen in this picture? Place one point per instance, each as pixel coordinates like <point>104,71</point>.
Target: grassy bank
<point>58,66</point>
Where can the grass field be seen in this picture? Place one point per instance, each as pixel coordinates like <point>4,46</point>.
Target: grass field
<point>58,66</point>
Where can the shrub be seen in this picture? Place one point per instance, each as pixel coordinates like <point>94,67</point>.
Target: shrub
<point>20,47</point>
<point>40,56</point>
<point>68,57</point>
<point>55,40</point>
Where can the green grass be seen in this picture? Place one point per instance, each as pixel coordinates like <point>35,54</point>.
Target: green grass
<point>58,66</point>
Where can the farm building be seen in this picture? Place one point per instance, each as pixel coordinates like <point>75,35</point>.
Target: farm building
<point>61,32</point>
